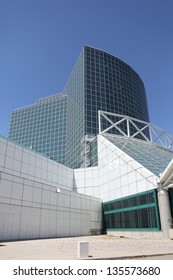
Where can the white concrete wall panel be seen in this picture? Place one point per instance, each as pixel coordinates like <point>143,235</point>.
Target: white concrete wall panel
<point>31,207</point>
<point>116,176</point>
<point>119,174</point>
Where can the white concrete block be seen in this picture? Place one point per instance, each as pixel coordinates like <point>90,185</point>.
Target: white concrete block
<point>82,249</point>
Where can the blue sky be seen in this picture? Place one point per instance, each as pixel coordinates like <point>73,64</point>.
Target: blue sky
<point>40,41</point>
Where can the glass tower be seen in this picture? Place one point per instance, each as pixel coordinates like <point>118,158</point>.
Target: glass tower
<point>42,126</point>
<point>63,126</point>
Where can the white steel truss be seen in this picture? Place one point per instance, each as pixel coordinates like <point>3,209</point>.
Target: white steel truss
<point>134,129</point>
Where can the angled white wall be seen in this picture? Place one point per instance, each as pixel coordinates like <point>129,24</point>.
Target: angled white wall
<point>31,207</point>
<point>86,181</point>
<point>117,175</point>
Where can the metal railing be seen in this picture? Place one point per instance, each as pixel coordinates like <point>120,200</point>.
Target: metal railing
<point>134,128</point>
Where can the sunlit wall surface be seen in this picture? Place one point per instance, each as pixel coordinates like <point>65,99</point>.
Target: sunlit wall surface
<point>38,200</point>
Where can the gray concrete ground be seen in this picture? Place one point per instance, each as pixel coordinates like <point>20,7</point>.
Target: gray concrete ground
<point>100,247</point>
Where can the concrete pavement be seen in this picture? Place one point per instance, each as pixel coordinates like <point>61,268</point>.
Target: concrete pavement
<point>100,247</point>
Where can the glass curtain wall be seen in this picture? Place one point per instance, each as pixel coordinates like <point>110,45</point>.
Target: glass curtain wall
<point>99,81</point>
<point>75,113</point>
<point>42,127</point>
<point>113,86</point>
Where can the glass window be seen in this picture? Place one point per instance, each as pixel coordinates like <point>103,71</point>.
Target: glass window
<point>133,212</point>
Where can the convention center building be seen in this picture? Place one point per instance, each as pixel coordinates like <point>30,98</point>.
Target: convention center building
<point>87,160</point>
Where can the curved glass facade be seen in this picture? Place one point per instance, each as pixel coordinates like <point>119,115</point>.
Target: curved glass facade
<point>113,86</point>
<point>100,81</point>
